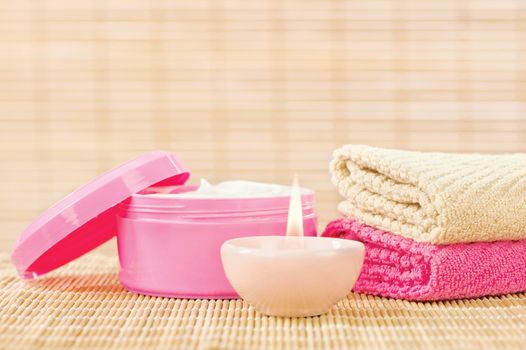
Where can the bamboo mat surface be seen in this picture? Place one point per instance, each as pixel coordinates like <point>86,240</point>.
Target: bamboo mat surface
<point>82,306</point>
<point>254,90</point>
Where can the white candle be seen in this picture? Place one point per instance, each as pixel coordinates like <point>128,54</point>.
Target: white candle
<point>293,275</point>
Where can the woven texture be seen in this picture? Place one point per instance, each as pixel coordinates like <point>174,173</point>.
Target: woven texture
<point>82,306</point>
<point>256,90</point>
<point>433,197</point>
<point>402,268</point>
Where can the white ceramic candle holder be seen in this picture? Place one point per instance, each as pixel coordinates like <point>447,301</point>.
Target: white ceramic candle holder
<point>292,276</point>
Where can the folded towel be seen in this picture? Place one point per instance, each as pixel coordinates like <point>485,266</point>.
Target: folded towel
<point>433,197</point>
<point>398,267</point>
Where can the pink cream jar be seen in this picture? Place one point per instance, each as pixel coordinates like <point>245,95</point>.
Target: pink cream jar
<point>170,246</point>
<point>168,241</point>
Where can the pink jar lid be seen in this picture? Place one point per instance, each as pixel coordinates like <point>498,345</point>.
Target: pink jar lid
<point>86,218</point>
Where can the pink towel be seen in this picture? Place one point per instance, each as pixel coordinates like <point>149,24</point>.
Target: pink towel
<point>398,267</point>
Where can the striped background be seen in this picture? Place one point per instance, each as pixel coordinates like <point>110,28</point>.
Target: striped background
<point>247,89</point>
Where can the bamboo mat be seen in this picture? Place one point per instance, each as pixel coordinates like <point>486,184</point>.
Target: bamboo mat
<point>244,89</point>
<point>254,89</point>
<point>82,306</point>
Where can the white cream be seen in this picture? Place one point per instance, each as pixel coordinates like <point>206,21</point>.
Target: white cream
<point>231,189</point>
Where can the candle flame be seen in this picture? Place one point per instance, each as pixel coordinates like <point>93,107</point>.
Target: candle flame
<point>295,218</point>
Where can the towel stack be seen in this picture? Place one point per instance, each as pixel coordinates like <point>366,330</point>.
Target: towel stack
<point>435,225</point>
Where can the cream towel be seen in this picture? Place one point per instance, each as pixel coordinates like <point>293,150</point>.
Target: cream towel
<point>433,197</point>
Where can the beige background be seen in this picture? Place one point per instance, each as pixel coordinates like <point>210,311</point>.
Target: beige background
<point>247,89</point>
